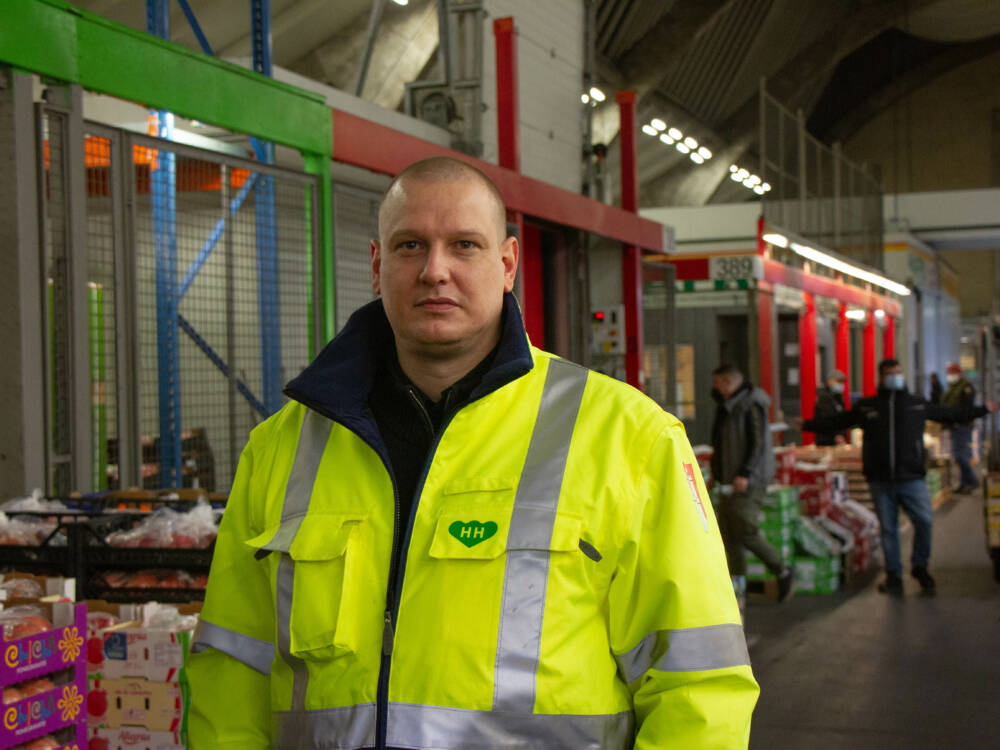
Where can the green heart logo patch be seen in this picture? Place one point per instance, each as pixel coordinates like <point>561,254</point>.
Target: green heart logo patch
<point>472,533</point>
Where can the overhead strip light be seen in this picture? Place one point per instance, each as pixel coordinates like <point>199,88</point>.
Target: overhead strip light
<point>855,314</point>
<point>811,253</point>
<point>649,130</point>
<point>776,239</point>
<point>657,123</point>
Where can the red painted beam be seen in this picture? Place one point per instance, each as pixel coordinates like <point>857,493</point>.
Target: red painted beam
<point>765,338</point>
<point>508,141</point>
<point>868,366</point>
<point>631,255</point>
<point>381,149</point>
<point>807,363</point>
<point>823,286</point>
<point>842,356</point>
<point>889,338</point>
<point>533,293</point>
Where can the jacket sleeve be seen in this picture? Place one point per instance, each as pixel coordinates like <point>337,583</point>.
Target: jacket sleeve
<point>673,620</point>
<point>233,646</point>
<point>833,423</point>
<point>756,441</point>
<point>955,414</point>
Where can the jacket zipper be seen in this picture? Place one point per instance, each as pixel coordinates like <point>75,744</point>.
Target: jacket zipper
<point>396,571</point>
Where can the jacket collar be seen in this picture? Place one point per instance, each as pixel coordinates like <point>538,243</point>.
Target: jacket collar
<point>337,383</point>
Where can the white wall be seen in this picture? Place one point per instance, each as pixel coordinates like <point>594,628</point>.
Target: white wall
<point>550,81</point>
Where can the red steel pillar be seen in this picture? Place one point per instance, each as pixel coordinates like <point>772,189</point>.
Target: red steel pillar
<point>868,385</point>
<point>509,156</point>
<point>889,338</point>
<point>842,355</point>
<point>765,343</point>
<point>631,255</point>
<point>807,363</point>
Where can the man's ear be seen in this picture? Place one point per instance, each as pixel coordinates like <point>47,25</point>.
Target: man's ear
<point>376,251</point>
<point>509,255</point>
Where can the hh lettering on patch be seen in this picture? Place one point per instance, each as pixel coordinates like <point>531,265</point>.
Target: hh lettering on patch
<point>696,495</point>
<point>472,533</point>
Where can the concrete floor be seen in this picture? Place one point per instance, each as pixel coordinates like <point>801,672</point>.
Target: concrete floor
<point>858,670</point>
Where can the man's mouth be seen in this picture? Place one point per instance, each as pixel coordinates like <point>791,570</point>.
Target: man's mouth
<point>438,304</point>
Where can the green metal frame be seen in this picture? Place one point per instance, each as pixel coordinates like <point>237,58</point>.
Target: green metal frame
<point>58,40</point>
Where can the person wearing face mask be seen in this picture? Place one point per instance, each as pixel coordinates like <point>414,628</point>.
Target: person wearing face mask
<point>895,464</point>
<point>830,402</point>
<point>961,393</point>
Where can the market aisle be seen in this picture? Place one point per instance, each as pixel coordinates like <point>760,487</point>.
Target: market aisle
<point>860,671</point>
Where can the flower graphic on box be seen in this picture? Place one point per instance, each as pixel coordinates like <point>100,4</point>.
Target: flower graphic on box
<point>70,644</point>
<point>70,702</point>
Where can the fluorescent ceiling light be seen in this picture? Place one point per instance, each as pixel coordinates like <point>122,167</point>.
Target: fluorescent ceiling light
<point>735,177</point>
<point>759,190</point>
<point>596,94</point>
<point>766,186</point>
<point>880,314</point>
<point>691,142</point>
<point>855,314</point>
<point>584,98</point>
<point>666,139</point>
<point>657,123</point>
<point>742,174</point>
<point>776,239</point>
<point>649,130</point>
<point>733,169</point>
<point>754,180</point>
<point>697,158</point>
<point>682,148</point>
<point>846,268</point>
<point>705,153</point>
<point>748,183</point>
<point>401,2</point>
<point>675,134</point>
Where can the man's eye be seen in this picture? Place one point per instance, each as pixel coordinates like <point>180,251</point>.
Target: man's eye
<point>409,245</point>
<point>466,245</point>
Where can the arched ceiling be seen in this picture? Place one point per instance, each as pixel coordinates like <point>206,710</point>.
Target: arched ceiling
<point>697,64</point>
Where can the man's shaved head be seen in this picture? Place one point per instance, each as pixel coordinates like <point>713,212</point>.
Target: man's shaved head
<point>444,169</point>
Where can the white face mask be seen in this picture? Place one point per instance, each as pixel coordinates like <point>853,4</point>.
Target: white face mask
<point>837,387</point>
<point>952,378</point>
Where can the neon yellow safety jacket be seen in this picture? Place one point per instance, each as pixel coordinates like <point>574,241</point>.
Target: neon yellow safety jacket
<point>561,583</point>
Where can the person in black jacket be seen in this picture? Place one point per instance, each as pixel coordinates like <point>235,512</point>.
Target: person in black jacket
<point>894,463</point>
<point>829,402</point>
<point>937,390</point>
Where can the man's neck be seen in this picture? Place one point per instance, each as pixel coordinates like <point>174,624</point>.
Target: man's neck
<point>433,375</point>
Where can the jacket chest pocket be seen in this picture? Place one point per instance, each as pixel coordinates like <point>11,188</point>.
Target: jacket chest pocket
<point>318,582</point>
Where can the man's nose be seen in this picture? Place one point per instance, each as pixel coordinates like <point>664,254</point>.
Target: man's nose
<point>436,269</point>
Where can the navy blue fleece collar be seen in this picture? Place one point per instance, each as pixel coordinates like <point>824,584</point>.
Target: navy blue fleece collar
<point>338,381</point>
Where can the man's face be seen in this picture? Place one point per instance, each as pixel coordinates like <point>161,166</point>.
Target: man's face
<point>725,385</point>
<point>894,370</point>
<point>441,266</point>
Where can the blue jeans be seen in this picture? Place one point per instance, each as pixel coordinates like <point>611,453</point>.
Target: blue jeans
<point>913,498</point>
<point>961,451</point>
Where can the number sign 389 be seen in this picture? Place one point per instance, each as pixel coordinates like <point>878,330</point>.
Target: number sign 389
<point>733,267</point>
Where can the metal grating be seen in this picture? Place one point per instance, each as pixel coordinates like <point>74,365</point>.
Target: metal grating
<point>102,307</point>
<point>223,285</point>
<point>355,223</point>
<point>54,202</point>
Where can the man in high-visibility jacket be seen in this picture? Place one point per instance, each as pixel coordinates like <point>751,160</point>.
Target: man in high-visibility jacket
<point>450,539</point>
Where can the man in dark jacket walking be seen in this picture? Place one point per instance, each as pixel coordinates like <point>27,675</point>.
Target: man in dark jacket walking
<point>894,463</point>
<point>961,393</point>
<point>743,460</point>
<point>829,402</point>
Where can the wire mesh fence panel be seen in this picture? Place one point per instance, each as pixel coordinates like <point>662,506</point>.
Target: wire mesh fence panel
<point>102,308</point>
<point>355,223</point>
<point>223,284</point>
<point>56,305</point>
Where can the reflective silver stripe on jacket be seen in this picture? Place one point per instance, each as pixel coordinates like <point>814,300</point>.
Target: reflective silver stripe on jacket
<point>439,728</point>
<point>312,442</point>
<point>253,652</point>
<point>346,728</point>
<point>686,650</point>
<point>525,578</point>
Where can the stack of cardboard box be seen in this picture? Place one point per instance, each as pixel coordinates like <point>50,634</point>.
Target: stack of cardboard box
<point>138,683</point>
